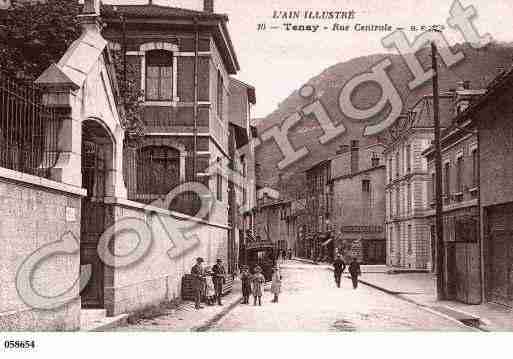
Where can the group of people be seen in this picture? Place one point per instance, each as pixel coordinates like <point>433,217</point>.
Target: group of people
<point>354,270</point>
<point>253,283</point>
<point>208,282</point>
<point>286,254</point>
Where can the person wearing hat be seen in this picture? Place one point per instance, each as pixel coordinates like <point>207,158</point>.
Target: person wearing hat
<point>355,271</point>
<point>245,278</point>
<point>199,282</point>
<point>258,280</point>
<point>218,277</point>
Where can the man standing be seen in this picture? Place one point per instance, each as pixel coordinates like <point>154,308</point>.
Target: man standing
<point>355,271</point>
<point>218,277</point>
<point>338,268</point>
<point>198,273</point>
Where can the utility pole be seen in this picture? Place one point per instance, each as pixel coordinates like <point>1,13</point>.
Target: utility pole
<point>440,293</point>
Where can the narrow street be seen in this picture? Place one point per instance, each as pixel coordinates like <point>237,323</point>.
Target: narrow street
<point>311,302</point>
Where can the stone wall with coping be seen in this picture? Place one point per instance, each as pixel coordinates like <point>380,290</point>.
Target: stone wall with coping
<point>34,213</point>
<point>157,276</point>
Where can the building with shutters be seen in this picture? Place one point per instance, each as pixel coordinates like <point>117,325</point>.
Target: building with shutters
<point>491,116</point>
<point>460,179</point>
<point>182,61</point>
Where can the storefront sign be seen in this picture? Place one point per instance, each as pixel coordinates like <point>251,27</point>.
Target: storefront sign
<point>362,229</point>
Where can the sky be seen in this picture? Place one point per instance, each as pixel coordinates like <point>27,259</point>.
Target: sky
<point>277,62</point>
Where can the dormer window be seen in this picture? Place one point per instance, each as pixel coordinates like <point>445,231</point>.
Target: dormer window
<point>159,75</point>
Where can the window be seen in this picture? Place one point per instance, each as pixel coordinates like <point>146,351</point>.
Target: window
<point>410,249</point>
<point>397,165</point>
<point>459,174</point>
<point>158,170</point>
<point>159,75</point>
<point>433,188</point>
<point>390,204</point>
<point>366,186</point>
<point>409,197</point>
<point>447,179</point>
<point>408,159</point>
<point>475,169</point>
<point>219,184</point>
<point>375,160</point>
<point>390,174</point>
<point>220,91</point>
<point>397,201</point>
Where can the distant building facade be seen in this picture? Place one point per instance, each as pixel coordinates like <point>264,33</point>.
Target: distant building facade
<point>357,203</point>
<point>407,177</point>
<point>317,195</point>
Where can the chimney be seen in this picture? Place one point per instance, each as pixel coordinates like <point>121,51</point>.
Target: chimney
<point>208,6</point>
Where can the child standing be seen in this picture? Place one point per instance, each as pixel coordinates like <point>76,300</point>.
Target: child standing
<point>276,284</point>
<point>246,284</point>
<point>258,281</point>
<point>209,289</point>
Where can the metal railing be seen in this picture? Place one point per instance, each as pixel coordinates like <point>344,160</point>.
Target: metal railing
<point>153,172</point>
<point>28,129</point>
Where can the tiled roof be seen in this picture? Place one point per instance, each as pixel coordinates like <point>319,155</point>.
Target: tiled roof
<point>151,11</point>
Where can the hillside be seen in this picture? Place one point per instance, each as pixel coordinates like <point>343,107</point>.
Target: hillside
<point>479,67</point>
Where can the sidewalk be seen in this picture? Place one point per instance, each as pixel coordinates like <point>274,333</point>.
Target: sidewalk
<point>419,288</point>
<point>185,318</point>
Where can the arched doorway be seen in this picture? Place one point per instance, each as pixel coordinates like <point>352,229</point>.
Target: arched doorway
<point>97,149</point>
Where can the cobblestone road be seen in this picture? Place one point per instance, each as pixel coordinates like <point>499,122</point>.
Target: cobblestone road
<point>311,302</point>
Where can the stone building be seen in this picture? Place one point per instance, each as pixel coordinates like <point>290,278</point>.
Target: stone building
<point>460,178</point>
<point>357,203</point>
<point>317,224</point>
<point>407,179</point>
<point>491,116</point>
<point>242,189</point>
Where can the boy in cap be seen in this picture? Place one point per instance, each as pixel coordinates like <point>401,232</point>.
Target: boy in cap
<point>218,277</point>
<point>245,277</point>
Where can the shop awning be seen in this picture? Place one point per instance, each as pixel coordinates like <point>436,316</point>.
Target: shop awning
<point>327,242</point>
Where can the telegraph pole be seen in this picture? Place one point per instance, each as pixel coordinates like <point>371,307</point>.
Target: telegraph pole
<point>440,293</point>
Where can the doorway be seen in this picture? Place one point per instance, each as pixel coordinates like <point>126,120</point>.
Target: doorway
<point>96,152</point>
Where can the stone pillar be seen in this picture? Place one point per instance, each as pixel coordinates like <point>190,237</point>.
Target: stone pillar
<point>68,166</point>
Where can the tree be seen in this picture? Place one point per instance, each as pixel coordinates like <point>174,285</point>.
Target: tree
<point>35,34</point>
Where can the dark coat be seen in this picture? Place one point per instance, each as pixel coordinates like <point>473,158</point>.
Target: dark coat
<point>198,272</point>
<point>339,265</point>
<point>218,273</point>
<point>246,283</point>
<point>354,269</point>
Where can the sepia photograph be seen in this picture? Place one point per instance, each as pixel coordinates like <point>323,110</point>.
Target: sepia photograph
<point>330,169</point>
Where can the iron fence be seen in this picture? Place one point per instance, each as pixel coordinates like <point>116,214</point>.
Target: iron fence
<point>28,129</point>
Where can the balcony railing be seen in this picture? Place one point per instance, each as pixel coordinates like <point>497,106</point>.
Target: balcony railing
<point>28,129</point>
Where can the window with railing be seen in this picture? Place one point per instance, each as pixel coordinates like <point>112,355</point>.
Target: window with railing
<point>475,169</point>
<point>28,129</point>
<point>459,177</point>
<point>158,170</point>
<point>447,180</point>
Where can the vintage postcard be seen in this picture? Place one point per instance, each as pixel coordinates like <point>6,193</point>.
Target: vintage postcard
<point>290,166</point>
